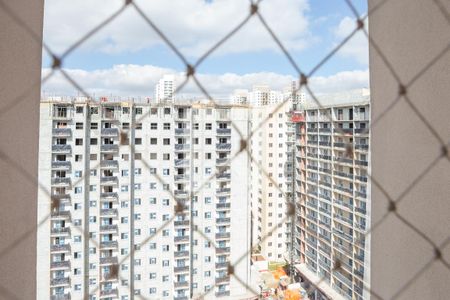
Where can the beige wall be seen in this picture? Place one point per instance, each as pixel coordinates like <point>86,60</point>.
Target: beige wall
<point>20,58</point>
<point>410,34</point>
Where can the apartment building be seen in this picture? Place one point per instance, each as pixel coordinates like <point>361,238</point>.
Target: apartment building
<point>130,186</point>
<point>165,89</point>
<point>333,198</point>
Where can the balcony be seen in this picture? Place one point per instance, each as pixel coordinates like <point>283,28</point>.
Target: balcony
<point>61,214</point>
<point>108,212</point>
<point>62,132</point>
<point>342,203</point>
<point>362,147</point>
<point>223,294</point>
<point>181,298</point>
<point>361,178</point>
<point>60,265</point>
<point>60,248</point>
<point>63,149</point>
<point>223,250</point>
<point>181,131</point>
<point>181,162</point>
<point>181,238</point>
<point>179,284</point>
<point>361,194</point>
<point>61,165</point>
<point>110,132</point>
<point>343,174</point>
<point>61,181</point>
<point>222,279</point>
<point>325,170</point>
<point>223,146</point>
<point>222,265</point>
<point>181,177</point>
<point>343,279</point>
<point>60,281</point>
<point>109,180</point>
<point>343,160</point>
<point>182,269</point>
<point>343,189</point>
<point>108,228</point>
<point>361,163</point>
<point>221,161</point>
<point>361,210</point>
<point>223,191</point>
<point>222,235</point>
<point>181,253</point>
<point>108,293</point>
<point>60,231</point>
<point>109,195</point>
<point>359,273</point>
<point>109,164</point>
<point>181,193</point>
<point>182,147</point>
<point>326,130</point>
<point>347,221</point>
<point>223,206</point>
<point>324,144</point>
<point>342,234</point>
<point>60,297</point>
<point>223,131</point>
<point>325,157</point>
<point>362,130</point>
<point>223,220</point>
<point>183,223</point>
<point>108,245</point>
<point>109,148</point>
<point>110,260</point>
<point>339,145</point>
<point>223,176</point>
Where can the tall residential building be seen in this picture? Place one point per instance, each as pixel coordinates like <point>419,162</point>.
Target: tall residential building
<point>333,199</point>
<point>112,229</point>
<point>271,176</point>
<point>165,89</point>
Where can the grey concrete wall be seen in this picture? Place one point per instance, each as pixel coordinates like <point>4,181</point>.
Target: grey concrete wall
<point>410,34</point>
<point>20,58</point>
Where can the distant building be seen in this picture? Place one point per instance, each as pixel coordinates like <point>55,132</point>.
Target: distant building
<point>165,89</point>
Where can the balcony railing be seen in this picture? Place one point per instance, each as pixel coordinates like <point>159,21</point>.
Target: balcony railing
<point>224,176</point>
<point>108,244</point>
<point>223,131</point>
<point>182,147</point>
<point>181,131</point>
<point>221,265</point>
<point>61,165</point>
<point>109,148</point>
<point>110,260</point>
<point>181,253</point>
<point>108,292</point>
<point>64,214</point>
<point>60,248</point>
<point>181,238</point>
<point>67,149</point>
<point>178,284</point>
<point>107,164</point>
<point>181,162</point>
<point>222,279</point>
<point>223,294</point>
<point>223,205</point>
<point>222,250</point>
<point>223,146</point>
<point>223,191</point>
<point>108,212</point>
<point>222,220</point>
<point>221,161</point>
<point>222,235</point>
<point>60,281</point>
<point>62,132</point>
<point>182,269</point>
<point>61,181</point>
<point>181,223</point>
<point>108,228</point>
<point>60,265</point>
<point>109,180</point>
<point>110,132</point>
<point>60,297</point>
<point>339,145</point>
<point>60,230</point>
<point>109,195</point>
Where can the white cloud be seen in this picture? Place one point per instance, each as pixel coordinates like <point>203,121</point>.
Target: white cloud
<point>193,25</point>
<point>139,81</point>
<point>357,47</point>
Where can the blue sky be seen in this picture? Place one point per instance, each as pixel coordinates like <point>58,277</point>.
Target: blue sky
<point>321,25</point>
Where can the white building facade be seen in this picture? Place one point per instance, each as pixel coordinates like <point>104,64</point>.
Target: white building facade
<point>333,199</point>
<point>132,187</point>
